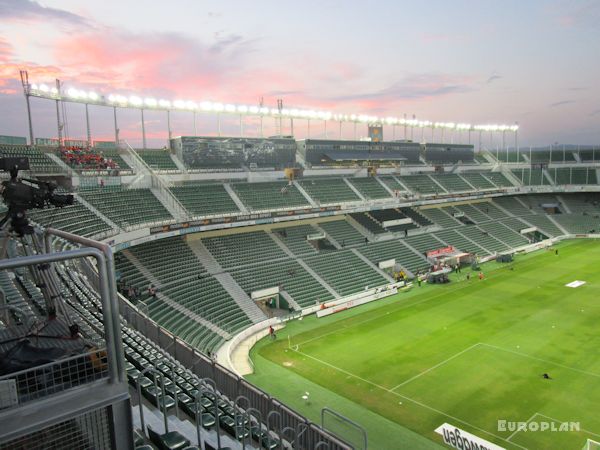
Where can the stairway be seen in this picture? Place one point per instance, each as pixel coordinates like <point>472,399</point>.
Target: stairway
<point>205,257</point>
<point>172,303</point>
<point>241,298</point>
<point>319,279</point>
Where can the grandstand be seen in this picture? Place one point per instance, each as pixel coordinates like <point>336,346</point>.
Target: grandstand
<point>229,252</point>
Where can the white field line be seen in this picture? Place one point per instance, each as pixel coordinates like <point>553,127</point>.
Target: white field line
<point>519,429</point>
<point>560,421</point>
<point>542,360</point>
<point>416,402</point>
<point>404,305</point>
<point>436,366</point>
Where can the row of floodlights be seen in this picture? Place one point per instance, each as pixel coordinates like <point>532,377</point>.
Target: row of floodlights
<point>138,102</point>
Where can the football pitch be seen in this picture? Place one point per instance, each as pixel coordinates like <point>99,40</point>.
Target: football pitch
<point>468,353</point>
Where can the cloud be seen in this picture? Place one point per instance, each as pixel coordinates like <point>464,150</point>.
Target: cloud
<point>160,63</point>
<point>493,78</point>
<point>561,103</point>
<point>32,10</point>
<point>414,87</point>
<point>579,14</point>
<point>595,113</point>
<point>577,88</point>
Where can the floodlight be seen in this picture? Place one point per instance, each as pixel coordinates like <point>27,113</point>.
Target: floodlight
<point>254,109</point>
<point>93,96</point>
<point>44,88</point>
<point>164,103</point>
<point>242,109</point>
<point>135,101</point>
<point>150,102</point>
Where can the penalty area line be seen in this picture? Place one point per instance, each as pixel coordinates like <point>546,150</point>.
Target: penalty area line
<point>561,422</point>
<point>416,402</point>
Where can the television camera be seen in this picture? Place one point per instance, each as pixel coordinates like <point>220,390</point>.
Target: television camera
<point>23,194</point>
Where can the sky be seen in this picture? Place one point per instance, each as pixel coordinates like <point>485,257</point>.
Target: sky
<point>536,63</point>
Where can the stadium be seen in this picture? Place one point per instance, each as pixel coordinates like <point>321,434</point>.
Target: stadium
<point>292,278</point>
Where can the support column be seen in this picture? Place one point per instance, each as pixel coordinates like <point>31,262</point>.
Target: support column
<point>143,130</point>
<point>87,125</point>
<point>116,126</point>
<point>169,125</point>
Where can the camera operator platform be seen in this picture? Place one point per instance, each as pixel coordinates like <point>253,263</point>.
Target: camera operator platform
<point>19,197</point>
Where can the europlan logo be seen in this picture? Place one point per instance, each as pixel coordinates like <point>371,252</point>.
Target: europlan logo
<point>533,426</point>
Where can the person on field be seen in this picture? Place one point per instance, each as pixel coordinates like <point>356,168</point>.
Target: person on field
<point>271,332</point>
<point>481,276</point>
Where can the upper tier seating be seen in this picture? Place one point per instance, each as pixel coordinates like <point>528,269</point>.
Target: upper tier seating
<point>242,249</point>
<point>74,218</point>
<point>329,190</point>
<point>573,175</point>
<point>205,199</point>
<point>531,177</point>
<point>345,272</point>
<point>392,183</point>
<point>421,184</point>
<point>369,187</point>
<point>453,182</point>
<point>477,180</point>
<point>498,179</point>
<point>269,195</point>
<point>159,160</point>
<point>91,161</point>
<point>127,207</point>
<point>343,233</point>
<point>38,162</point>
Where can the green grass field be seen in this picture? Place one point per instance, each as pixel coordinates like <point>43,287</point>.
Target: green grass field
<point>468,353</point>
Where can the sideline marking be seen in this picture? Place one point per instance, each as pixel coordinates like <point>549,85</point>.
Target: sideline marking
<point>436,366</point>
<point>519,429</point>
<point>416,402</point>
<point>542,360</point>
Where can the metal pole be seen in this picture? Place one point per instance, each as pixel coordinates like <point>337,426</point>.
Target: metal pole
<point>292,126</point>
<point>325,123</point>
<point>354,130</point>
<point>143,130</point>
<point>308,134</point>
<point>241,127</point>
<point>195,128</point>
<point>219,125</point>
<point>340,130</point>
<point>87,124</point>
<point>25,83</point>
<point>116,127</point>
<point>169,124</point>
<point>58,116</point>
<point>261,126</point>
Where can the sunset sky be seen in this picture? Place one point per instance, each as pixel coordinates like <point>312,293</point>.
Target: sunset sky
<point>532,62</point>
